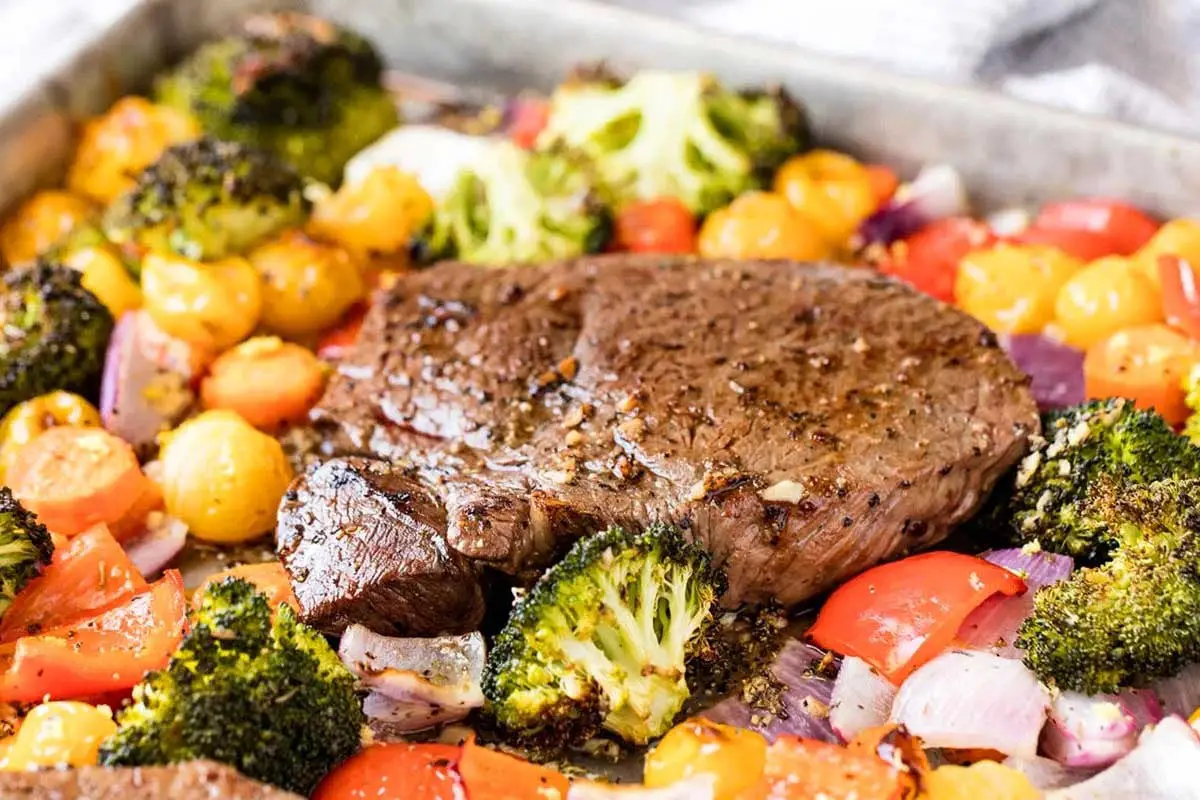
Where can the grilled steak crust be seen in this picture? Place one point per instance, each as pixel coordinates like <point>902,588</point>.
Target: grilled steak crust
<point>801,421</point>
<point>197,780</point>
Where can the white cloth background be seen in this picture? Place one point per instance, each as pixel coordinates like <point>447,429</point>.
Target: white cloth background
<point>1129,59</point>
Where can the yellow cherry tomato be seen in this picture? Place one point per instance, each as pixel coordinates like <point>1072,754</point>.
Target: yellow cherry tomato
<point>1102,298</point>
<point>761,225</point>
<point>306,285</point>
<point>106,277</point>
<point>1012,288</point>
<point>1179,237</point>
<point>59,734</point>
<point>831,189</point>
<point>735,757</point>
<point>1194,720</point>
<point>40,222</point>
<point>117,145</point>
<point>376,217</point>
<point>223,477</point>
<point>211,306</point>
<point>26,421</point>
<point>983,779</point>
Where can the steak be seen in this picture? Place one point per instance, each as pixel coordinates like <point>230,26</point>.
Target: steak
<point>802,422</point>
<point>196,780</point>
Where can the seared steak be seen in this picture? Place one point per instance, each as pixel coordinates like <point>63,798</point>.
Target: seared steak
<point>198,780</point>
<point>801,421</point>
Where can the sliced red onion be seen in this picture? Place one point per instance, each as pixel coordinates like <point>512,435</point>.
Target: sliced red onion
<point>1046,774</point>
<point>861,699</point>
<point>157,547</point>
<point>993,625</point>
<point>138,400</point>
<point>936,193</point>
<point>697,787</point>
<point>805,700</point>
<point>428,681</point>
<point>1180,694</point>
<point>1096,731</point>
<point>1163,766</point>
<point>974,700</point>
<point>1056,369</point>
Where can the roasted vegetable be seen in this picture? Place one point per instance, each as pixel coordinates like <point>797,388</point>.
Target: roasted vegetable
<point>294,84</point>
<point>262,693</point>
<point>513,206</point>
<point>206,200</point>
<point>1046,499</point>
<point>25,547</point>
<point>676,134</point>
<point>1136,617</point>
<point>54,334</point>
<point>604,640</point>
<point>1191,385</point>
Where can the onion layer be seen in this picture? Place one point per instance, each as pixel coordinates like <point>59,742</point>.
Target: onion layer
<point>993,626</point>
<point>1161,767</point>
<point>861,699</point>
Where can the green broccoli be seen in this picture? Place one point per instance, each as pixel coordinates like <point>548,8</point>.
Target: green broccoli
<point>1136,617</point>
<point>676,134</point>
<point>294,84</point>
<point>605,639</point>
<point>1046,500</point>
<point>257,691</point>
<point>55,334</point>
<point>25,547</point>
<point>206,200</point>
<point>1191,385</point>
<point>512,206</point>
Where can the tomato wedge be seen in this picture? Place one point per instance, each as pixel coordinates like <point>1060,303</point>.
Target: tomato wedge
<point>662,225</point>
<point>88,573</point>
<point>492,775</point>
<point>1180,283</point>
<point>900,615</point>
<point>1125,227</point>
<point>928,260</point>
<point>396,771</point>
<point>106,652</point>
<point>1146,364</point>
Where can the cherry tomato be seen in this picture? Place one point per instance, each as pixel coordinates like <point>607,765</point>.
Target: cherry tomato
<point>1180,283</point>
<point>1126,227</point>
<point>831,189</point>
<point>1146,364</point>
<point>1013,288</point>
<point>663,225</point>
<point>399,771</point>
<point>928,260</point>
<point>1179,237</point>
<point>761,225</point>
<point>529,118</point>
<point>898,616</point>
<point>1084,245</point>
<point>1104,297</point>
<point>734,756</point>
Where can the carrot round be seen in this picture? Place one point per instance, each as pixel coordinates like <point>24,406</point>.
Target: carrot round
<point>270,578</point>
<point>268,381</point>
<point>1145,364</point>
<point>74,478</point>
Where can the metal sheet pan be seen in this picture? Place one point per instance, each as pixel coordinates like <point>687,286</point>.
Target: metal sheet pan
<point>1011,152</point>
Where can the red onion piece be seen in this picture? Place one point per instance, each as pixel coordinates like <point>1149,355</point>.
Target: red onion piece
<point>806,699</point>
<point>1056,369</point>
<point>135,394</point>
<point>1180,694</point>
<point>1089,731</point>
<point>971,699</point>
<point>697,787</point>
<point>1163,766</point>
<point>993,625</point>
<point>861,699</point>
<point>1046,774</point>
<point>936,193</point>
<point>157,547</point>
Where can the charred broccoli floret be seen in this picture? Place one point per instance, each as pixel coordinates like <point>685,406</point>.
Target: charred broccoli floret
<point>1046,500</point>
<point>257,691</point>
<point>512,206</point>
<point>604,640</point>
<point>676,134</point>
<point>296,85</point>
<point>1136,617</point>
<point>206,200</point>
<point>55,333</point>
<point>25,547</point>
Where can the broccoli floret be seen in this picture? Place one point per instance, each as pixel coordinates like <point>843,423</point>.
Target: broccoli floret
<point>1046,499</point>
<point>513,206</point>
<point>604,640</point>
<point>676,134</point>
<point>1191,385</point>
<point>206,200</point>
<point>1136,617</point>
<point>294,84</point>
<point>25,547</point>
<point>257,691</point>
<point>55,333</point>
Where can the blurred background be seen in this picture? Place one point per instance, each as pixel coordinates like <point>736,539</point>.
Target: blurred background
<point>1129,59</point>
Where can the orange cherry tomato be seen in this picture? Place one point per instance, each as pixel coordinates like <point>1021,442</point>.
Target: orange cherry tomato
<point>399,771</point>
<point>929,259</point>
<point>1104,297</point>
<point>829,188</point>
<point>1124,226</point>
<point>761,225</point>
<point>804,769</point>
<point>899,616</point>
<point>1146,364</point>
<point>1013,288</point>
<point>1180,283</point>
<point>662,225</point>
